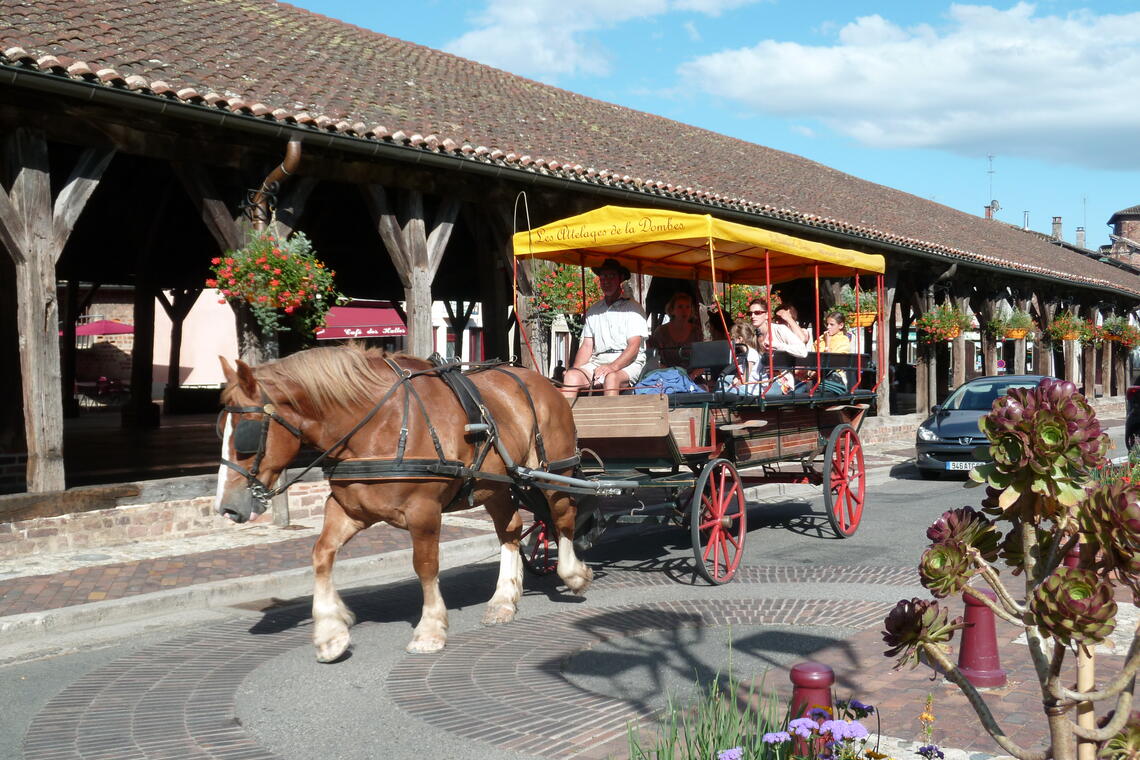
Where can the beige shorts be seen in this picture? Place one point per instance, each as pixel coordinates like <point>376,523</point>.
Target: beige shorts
<point>633,370</point>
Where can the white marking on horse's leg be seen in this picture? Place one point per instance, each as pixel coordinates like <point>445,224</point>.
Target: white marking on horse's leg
<point>504,604</point>
<point>222,469</point>
<point>331,620</point>
<point>575,573</point>
<point>430,634</point>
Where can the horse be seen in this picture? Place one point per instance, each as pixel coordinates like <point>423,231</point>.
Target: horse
<point>364,405</point>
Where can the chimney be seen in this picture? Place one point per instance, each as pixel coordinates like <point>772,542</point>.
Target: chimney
<point>1025,223</point>
<point>1080,237</point>
<point>1057,228</point>
<point>989,212</point>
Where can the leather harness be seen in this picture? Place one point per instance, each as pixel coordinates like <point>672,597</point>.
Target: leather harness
<point>480,426</point>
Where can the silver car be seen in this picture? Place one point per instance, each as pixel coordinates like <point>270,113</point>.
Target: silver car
<point>948,439</point>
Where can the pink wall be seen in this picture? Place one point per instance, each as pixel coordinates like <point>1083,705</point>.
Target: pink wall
<point>208,332</point>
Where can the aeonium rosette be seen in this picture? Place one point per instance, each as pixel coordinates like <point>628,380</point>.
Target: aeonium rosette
<point>281,281</point>
<point>1043,440</point>
<point>1075,606</point>
<point>1110,521</point>
<point>914,623</point>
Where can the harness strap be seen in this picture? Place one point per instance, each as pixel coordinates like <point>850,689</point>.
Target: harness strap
<point>536,430</point>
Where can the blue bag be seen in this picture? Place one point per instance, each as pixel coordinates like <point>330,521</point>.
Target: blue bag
<point>666,380</point>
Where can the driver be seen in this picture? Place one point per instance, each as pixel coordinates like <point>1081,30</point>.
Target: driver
<point>612,353</point>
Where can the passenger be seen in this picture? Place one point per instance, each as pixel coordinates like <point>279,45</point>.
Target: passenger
<point>834,339</point>
<point>784,334</point>
<point>612,353</point>
<point>673,338</point>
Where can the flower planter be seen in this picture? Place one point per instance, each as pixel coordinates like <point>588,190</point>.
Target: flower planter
<point>864,319</point>
<point>953,333</point>
<point>1016,333</point>
<point>1070,336</point>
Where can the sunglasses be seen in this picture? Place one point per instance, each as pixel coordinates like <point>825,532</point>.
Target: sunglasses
<point>751,311</point>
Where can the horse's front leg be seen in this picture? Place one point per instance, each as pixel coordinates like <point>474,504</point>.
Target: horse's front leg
<point>331,618</point>
<point>575,573</point>
<point>423,522</point>
<point>508,590</point>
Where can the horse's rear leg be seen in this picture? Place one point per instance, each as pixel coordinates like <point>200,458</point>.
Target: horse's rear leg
<point>331,618</point>
<point>424,521</point>
<point>573,571</point>
<point>508,590</point>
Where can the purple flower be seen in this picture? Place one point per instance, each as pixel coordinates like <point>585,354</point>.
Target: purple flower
<point>777,737</point>
<point>803,727</point>
<point>842,730</point>
<point>931,751</point>
<point>736,753</point>
<point>857,705</point>
<point>818,713</point>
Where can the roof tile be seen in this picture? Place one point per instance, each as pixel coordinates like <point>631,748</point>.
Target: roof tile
<point>271,59</point>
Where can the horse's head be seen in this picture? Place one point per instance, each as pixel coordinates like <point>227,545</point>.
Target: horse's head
<point>258,443</point>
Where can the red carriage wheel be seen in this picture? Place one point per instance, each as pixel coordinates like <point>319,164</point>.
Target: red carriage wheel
<point>538,545</point>
<point>844,480</point>
<point>718,521</point>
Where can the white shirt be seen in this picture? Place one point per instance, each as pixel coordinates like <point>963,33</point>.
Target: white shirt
<point>612,325</point>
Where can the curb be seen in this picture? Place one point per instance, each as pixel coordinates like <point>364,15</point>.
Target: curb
<point>287,584</point>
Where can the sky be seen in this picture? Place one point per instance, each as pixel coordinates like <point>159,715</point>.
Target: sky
<point>1031,105</point>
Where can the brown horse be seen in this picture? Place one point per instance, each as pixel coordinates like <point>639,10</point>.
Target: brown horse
<point>320,396</point>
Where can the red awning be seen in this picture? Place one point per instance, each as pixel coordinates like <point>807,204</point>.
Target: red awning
<point>103,327</point>
<point>362,319</point>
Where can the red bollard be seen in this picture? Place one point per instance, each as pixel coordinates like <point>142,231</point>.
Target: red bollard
<point>978,661</point>
<point>811,688</point>
<point>1073,558</point>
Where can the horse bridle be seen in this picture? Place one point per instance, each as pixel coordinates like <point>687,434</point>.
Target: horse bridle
<point>251,437</point>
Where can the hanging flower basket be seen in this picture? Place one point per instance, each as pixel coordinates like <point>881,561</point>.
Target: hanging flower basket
<point>1016,333</point>
<point>1072,335</point>
<point>1064,326</point>
<point>941,323</point>
<point>861,312</point>
<point>281,281</point>
<point>863,318</point>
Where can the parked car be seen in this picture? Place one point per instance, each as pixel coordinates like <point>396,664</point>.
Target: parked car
<point>947,440</point>
<point>1132,419</point>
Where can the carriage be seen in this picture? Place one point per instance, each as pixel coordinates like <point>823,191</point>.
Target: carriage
<point>687,458</point>
<point>403,439</point>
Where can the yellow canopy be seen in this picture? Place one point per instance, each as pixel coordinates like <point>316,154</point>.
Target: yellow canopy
<point>672,244</point>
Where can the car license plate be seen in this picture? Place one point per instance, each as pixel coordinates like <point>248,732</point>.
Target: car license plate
<point>961,465</point>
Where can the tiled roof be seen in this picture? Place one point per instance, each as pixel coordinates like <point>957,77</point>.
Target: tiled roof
<point>1133,211</point>
<point>278,62</point>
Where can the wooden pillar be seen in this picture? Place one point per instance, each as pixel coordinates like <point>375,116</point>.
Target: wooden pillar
<point>1042,352</point>
<point>1019,344</point>
<point>177,308</point>
<point>34,230</point>
<point>1106,355</point>
<point>1089,358</point>
<point>885,338</point>
<point>958,348</point>
<point>416,246</point>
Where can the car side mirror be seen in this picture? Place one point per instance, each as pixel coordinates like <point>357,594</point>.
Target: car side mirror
<point>935,409</point>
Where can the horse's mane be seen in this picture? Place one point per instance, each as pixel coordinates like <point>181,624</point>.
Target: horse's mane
<point>333,377</point>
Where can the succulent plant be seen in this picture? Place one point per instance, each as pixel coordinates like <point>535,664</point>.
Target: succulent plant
<point>1075,606</point>
<point>915,622</point>
<point>1011,551</point>
<point>1043,440</point>
<point>1126,744</point>
<point>968,527</point>
<point>945,569</point>
<point>1110,518</point>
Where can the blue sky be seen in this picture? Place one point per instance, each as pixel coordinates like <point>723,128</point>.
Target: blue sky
<point>915,95</point>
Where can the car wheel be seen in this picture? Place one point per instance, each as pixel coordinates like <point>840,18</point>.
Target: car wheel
<point>1131,439</point>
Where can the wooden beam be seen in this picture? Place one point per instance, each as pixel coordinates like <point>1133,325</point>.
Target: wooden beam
<point>223,226</point>
<point>35,231</point>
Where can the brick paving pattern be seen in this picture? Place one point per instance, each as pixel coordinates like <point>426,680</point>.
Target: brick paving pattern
<point>177,699</point>
<point>97,583</point>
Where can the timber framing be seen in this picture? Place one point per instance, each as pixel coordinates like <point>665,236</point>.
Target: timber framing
<point>121,178</point>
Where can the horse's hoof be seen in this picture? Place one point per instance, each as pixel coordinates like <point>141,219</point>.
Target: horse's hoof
<point>499,614</point>
<point>580,582</point>
<point>425,646</point>
<point>333,649</point>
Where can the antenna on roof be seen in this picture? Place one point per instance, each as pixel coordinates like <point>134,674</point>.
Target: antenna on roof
<point>990,171</point>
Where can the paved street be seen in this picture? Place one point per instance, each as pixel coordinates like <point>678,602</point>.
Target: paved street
<point>562,681</point>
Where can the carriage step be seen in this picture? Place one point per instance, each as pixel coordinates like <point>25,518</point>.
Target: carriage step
<point>743,425</point>
<point>841,407</point>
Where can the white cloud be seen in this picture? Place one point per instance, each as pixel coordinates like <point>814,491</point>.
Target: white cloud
<point>1010,81</point>
<point>691,29</point>
<point>549,39</point>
